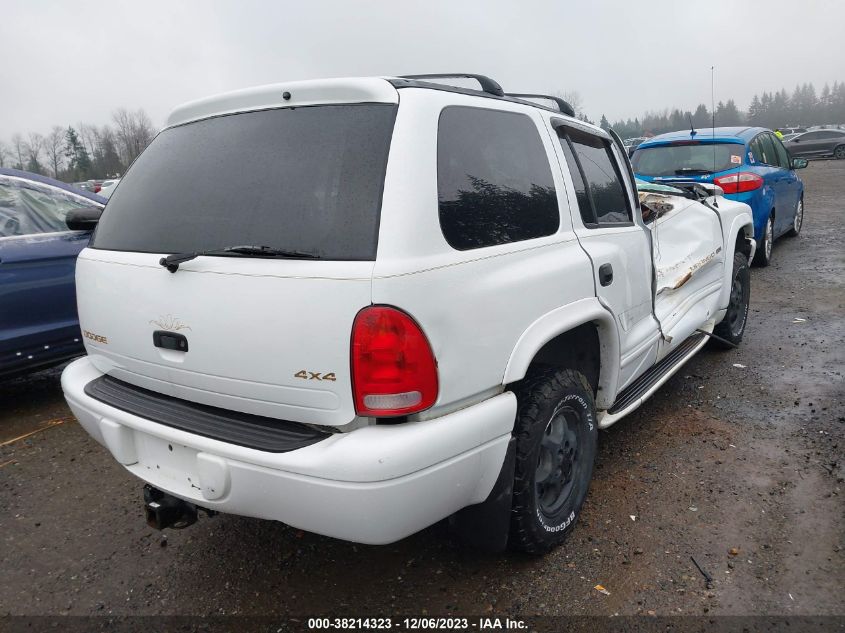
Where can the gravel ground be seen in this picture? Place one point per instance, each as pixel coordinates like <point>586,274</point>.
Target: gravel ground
<point>737,462</point>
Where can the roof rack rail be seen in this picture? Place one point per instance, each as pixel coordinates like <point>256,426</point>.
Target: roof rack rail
<point>488,85</point>
<point>562,104</point>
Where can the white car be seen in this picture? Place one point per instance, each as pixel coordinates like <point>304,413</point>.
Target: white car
<point>107,188</point>
<point>369,304</point>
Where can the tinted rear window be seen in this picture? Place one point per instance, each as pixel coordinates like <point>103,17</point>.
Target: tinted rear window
<point>306,179</point>
<point>679,160</point>
<point>493,179</point>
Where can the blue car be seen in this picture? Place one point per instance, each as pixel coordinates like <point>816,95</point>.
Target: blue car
<point>39,326</point>
<point>750,164</point>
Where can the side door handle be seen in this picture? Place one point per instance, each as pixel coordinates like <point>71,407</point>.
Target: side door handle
<point>605,274</point>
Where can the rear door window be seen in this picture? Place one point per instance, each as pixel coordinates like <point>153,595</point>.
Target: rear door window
<point>304,179</point>
<point>767,148</point>
<point>588,216</point>
<point>782,154</point>
<point>494,182</point>
<point>600,172</point>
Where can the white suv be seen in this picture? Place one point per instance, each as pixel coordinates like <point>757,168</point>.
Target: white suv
<point>359,306</point>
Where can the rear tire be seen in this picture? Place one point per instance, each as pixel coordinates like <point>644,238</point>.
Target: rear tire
<point>798,220</point>
<point>763,256</point>
<point>556,439</point>
<point>839,152</point>
<point>732,327</point>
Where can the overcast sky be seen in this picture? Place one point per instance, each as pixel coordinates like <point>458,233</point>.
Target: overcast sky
<point>68,62</point>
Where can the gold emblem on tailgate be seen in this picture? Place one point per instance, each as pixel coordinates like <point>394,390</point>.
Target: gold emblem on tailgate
<point>170,323</point>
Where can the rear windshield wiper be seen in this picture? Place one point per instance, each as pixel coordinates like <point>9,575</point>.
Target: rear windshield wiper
<point>171,262</point>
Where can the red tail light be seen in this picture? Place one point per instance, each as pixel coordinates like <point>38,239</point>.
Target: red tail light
<point>737,183</point>
<point>393,368</point>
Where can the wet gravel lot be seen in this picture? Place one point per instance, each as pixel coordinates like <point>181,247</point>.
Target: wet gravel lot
<point>737,462</point>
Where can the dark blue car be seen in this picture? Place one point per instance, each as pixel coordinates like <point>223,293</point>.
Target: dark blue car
<point>750,164</point>
<point>38,322</point>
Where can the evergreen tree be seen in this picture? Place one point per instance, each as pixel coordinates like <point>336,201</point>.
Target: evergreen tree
<point>79,163</point>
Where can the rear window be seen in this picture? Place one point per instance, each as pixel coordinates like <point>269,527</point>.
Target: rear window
<point>687,159</point>
<point>306,179</point>
<point>493,179</point>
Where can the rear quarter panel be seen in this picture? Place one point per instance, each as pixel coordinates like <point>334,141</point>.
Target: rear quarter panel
<point>473,305</point>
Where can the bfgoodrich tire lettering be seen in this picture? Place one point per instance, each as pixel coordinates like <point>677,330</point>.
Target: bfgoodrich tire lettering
<point>556,437</point>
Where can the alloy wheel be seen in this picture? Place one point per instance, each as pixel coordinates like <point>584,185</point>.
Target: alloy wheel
<point>799,217</point>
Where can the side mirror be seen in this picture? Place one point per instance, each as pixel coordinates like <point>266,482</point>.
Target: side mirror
<point>799,163</point>
<point>83,219</point>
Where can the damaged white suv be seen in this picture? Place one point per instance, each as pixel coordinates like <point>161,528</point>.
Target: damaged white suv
<point>360,306</point>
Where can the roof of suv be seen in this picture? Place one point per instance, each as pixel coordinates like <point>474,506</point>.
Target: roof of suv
<point>337,91</point>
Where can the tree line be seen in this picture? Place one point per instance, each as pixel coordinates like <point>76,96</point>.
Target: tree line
<point>82,152</point>
<point>87,151</point>
<point>804,107</point>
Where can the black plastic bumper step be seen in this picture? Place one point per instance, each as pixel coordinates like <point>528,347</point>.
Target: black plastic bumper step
<point>243,429</point>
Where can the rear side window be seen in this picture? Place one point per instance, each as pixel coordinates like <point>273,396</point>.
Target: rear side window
<point>604,183</point>
<point>494,182</point>
<point>304,179</point>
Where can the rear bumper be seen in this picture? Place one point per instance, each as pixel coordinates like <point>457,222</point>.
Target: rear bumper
<point>376,485</point>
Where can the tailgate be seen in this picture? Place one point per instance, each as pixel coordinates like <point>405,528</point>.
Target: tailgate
<point>267,337</point>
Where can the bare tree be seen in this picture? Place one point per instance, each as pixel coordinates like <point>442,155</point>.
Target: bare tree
<point>55,144</point>
<point>133,131</point>
<point>3,153</point>
<point>19,149</point>
<point>108,159</point>
<point>90,137</point>
<point>34,146</point>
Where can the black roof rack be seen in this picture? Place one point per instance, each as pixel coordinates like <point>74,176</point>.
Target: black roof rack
<point>488,85</point>
<point>562,104</point>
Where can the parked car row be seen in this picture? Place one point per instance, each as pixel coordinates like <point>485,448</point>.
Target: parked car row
<point>817,144</point>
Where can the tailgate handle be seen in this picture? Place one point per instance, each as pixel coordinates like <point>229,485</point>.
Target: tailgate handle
<point>170,340</point>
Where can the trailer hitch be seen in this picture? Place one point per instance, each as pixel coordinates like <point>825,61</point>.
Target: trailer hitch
<point>166,511</point>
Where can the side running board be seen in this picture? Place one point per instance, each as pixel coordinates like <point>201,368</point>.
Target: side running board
<point>643,387</point>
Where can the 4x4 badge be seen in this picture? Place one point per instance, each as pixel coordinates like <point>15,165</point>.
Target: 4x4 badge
<point>314,375</point>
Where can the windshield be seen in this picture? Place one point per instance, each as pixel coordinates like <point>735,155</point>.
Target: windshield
<point>689,158</point>
<point>300,179</point>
